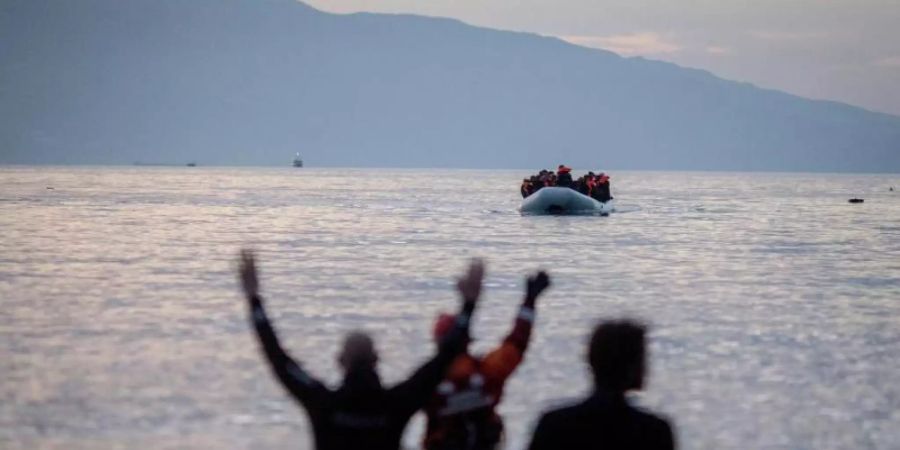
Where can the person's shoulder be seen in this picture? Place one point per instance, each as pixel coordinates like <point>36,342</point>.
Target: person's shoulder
<point>652,421</point>
<point>563,414</point>
<point>649,416</point>
<point>564,427</point>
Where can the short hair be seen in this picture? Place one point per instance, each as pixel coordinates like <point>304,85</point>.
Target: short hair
<point>617,354</point>
<point>358,351</point>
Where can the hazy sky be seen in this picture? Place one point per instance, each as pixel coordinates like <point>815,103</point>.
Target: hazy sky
<point>846,50</point>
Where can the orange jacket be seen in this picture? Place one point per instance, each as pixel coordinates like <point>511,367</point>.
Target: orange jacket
<point>465,401</point>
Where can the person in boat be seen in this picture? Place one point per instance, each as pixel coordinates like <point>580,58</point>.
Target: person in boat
<point>536,184</point>
<point>462,413</point>
<point>551,180</point>
<point>525,189</point>
<point>617,356</point>
<point>361,413</point>
<point>585,184</point>
<point>564,176</point>
<point>601,191</point>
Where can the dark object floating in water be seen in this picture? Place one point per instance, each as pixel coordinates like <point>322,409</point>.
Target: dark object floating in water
<point>891,189</point>
<point>192,164</point>
<point>856,200</point>
<point>50,187</point>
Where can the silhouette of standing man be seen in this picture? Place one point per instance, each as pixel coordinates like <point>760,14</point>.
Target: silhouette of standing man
<point>361,413</point>
<point>605,420</point>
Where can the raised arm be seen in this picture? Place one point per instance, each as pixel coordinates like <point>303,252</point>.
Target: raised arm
<point>300,384</point>
<point>501,362</point>
<point>418,388</point>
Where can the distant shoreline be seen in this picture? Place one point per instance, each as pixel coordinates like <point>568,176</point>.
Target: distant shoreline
<point>529,170</point>
<point>146,164</point>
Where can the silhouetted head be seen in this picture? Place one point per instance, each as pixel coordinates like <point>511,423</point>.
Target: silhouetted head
<point>443,324</point>
<point>617,355</point>
<point>358,352</point>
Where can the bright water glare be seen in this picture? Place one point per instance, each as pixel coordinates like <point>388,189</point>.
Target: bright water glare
<point>775,304</point>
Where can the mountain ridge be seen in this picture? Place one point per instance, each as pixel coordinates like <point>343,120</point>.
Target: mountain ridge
<point>609,52</point>
<point>242,82</point>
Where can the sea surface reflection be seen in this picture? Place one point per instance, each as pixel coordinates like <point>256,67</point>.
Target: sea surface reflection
<point>775,303</point>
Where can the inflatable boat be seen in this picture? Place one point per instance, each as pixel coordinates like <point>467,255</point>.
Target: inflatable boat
<point>561,200</point>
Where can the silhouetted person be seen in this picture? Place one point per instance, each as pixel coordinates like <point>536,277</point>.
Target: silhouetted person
<point>601,191</point>
<point>587,187</point>
<point>564,176</point>
<point>361,414</point>
<point>525,189</point>
<point>581,185</point>
<point>462,414</point>
<point>536,184</point>
<point>551,179</point>
<point>605,420</point>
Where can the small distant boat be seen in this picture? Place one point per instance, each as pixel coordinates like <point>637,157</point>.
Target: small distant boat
<point>298,162</point>
<point>856,200</point>
<point>192,164</point>
<point>564,201</point>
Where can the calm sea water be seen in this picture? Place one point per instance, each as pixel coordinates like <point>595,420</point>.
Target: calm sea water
<point>775,304</point>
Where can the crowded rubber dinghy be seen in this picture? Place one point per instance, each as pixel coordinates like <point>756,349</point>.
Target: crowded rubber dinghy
<point>549,192</point>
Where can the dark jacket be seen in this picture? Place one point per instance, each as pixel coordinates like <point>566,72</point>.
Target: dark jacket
<point>564,179</point>
<point>584,186</point>
<point>602,422</point>
<point>361,414</point>
<point>601,192</point>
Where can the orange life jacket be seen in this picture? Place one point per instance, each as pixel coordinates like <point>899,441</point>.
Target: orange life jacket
<point>463,407</point>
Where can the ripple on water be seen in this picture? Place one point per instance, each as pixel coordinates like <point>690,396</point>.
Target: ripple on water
<point>773,303</point>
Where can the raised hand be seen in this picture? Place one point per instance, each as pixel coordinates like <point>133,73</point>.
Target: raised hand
<point>469,285</point>
<point>535,285</point>
<point>247,270</point>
